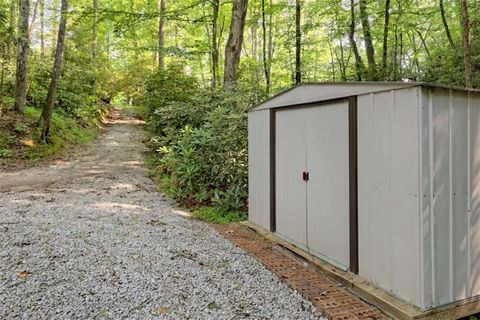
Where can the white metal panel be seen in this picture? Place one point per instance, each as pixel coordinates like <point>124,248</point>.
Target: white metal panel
<point>366,196</point>
<point>459,205</point>
<point>405,229</point>
<point>378,164</point>
<point>259,168</point>
<point>474,257</point>
<point>426,234</point>
<point>441,197</point>
<point>328,187</point>
<point>449,172</point>
<point>290,162</point>
<point>388,184</point>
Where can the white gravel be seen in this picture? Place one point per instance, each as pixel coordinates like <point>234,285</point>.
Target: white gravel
<point>100,242</point>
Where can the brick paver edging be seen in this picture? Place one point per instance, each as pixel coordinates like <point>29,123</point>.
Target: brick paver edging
<point>331,298</point>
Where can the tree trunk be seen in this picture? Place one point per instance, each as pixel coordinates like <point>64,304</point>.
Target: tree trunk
<point>255,55</point>
<point>395,56</point>
<point>22,57</point>
<point>13,11</point>
<point>216,9</point>
<point>161,34</point>
<point>424,43</point>
<point>2,76</point>
<point>385,40</point>
<point>445,24</point>
<point>42,29</point>
<point>270,42</point>
<point>233,48</point>
<point>467,44</point>
<point>416,63</point>
<point>254,38</point>
<point>372,67</point>
<point>94,43</point>
<point>298,43</point>
<point>46,116</point>
<point>31,29</point>
<point>400,63</point>
<point>266,68</point>
<point>359,67</point>
<point>94,30</point>
<point>341,62</point>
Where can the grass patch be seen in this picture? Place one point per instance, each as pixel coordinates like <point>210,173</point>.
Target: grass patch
<point>215,215</point>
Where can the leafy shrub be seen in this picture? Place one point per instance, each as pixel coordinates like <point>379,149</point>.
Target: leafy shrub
<point>199,139</point>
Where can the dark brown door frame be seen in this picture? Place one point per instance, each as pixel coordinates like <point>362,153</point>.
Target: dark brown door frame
<point>353,172</point>
<point>353,181</point>
<point>273,219</point>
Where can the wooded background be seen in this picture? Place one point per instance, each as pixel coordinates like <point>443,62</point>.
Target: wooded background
<point>264,45</point>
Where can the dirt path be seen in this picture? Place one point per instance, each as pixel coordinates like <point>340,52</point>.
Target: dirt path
<point>125,138</point>
<point>91,238</point>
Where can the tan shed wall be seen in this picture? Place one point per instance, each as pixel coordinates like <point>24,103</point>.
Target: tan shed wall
<point>450,195</point>
<point>259,167</point>
<point>388,191</point>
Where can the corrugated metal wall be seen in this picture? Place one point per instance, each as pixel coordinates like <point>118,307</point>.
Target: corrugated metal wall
<point>450,171</point>
<point>259,167</point>
<point>388,191</point>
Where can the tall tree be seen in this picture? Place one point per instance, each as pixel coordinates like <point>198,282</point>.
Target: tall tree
<point>161,34</point>
<point>215,56</point>
<point>467,43</point>
<point>94,30</point>
<point>298,42</point>
<point>31,29</point>
<point>13,10</point>
<point>359,67</point>
<point>367,35</point>
<point>22,57</point>
<point>266,62</point>
<point>42,29</point>
<point>233,48</point>
<point>46,116</point>
<point>385,39</point>
<point>445,24</point>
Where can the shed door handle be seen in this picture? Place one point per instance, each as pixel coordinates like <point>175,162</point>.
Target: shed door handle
<point>306,175</point>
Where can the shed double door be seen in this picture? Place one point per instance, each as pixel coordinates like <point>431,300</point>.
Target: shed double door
<point>312,180</point>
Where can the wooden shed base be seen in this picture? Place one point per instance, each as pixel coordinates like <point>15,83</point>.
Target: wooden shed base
<point>374,295</point>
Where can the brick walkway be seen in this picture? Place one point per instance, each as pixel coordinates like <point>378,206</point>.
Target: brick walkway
<point>331,299</point>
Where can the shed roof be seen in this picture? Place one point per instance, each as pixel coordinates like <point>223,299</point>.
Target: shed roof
<point>315,92</point>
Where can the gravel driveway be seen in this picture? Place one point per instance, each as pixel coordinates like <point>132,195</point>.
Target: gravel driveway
<point>91,238</point>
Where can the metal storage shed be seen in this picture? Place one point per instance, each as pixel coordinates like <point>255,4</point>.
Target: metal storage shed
<point>382,179</point>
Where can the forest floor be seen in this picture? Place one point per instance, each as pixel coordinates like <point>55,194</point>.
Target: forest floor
<point>92,238</point>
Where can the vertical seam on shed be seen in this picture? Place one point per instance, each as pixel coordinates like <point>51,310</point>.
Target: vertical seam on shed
<point>431,195</point>
<point>469,192</point>
<point>450,187</point>
<point>420,196</point>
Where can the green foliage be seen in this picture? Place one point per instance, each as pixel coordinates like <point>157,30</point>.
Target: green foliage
<point>215,215</point>
<point>200,141</point>
<point>19,135</point>
<point>66,132</point>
